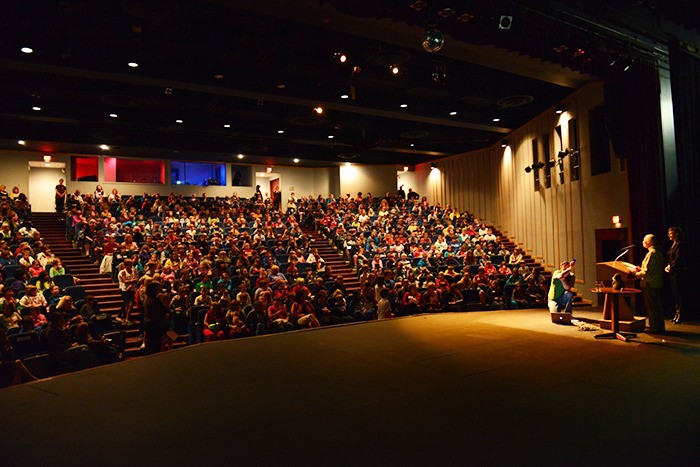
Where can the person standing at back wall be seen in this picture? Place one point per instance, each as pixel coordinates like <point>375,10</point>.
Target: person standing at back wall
<point>61,191</point>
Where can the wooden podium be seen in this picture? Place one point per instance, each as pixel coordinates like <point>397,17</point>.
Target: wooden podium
<point>604,272</point>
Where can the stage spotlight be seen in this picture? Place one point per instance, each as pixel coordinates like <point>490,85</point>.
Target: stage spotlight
<point>538,165</point>
<point>504,143</point>
<point>560,108</point>
<point>528,169</point>
<point>505,22</point>
<point>434,40</point>
<point>551,163</point>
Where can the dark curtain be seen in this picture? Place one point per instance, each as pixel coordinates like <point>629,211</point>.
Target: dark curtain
<point>685,87</point>
<point>634,107</point>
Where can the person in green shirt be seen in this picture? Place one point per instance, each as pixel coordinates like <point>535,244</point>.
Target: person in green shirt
<point>652,274</point>
<point>560,297</point>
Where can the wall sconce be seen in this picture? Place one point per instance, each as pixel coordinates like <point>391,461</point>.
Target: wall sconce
<point>433,166</point>
<point>47,158</point>
<point>504,143</point>
<point>616,219</point>
<point>269,170</point>
<point>405,168</point>
<point>559,108</point>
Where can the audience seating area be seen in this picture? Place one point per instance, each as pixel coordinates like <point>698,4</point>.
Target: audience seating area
<point>203,269</point>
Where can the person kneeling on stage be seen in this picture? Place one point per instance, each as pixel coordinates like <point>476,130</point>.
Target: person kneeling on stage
<point>560,296</point>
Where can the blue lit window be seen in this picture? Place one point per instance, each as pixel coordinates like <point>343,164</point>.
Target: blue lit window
<point>197,173</point>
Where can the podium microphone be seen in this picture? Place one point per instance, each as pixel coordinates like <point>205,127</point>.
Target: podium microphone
<point>628,247</point>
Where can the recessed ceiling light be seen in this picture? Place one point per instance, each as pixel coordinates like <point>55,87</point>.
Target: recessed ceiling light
<point>178,121</point>
<point>331,136</point>
<point>496,119</point>
<point>453,113</point>
<point>36,108</point>
<point>133,64</point>
<point>113,115</point>
<point>280,131</point>
<point>296,161</point>
<point>27,50</point>
<point>104,147</point>
<point>412,144</point>
<point>403,106</point>
<point>281,86</point>
<point>344,96</point>
<point>227,126</point>
<point>240,156</point>
<point>22,142</point>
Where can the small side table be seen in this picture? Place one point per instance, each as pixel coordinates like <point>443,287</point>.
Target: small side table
<point>612,308</point>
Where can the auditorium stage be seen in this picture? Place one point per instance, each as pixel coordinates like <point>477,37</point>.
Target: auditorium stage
<point>503,387</point>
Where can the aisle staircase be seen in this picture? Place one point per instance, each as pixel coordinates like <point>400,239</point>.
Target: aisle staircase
<point>53,232</point>
<point>334,258</point>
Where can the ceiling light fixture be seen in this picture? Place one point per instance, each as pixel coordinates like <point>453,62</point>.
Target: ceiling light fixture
<point>47,158</point>
<point>227,125</point>
<point>434,40</point>
<point>269,170</point>
<point>394,70</point>
<point>22,142</point>
<point>218,76</point>
<point>344,96</point>
<point>27,50</point>
<point>413,145</point>
<point>113,115</point>
<point>240,156</point>
<point>403,106</point>
<point>504,143</point>
<point>296,161</point>
<point>453,113</point>
<point>178,121</point>
<point>133,64</point>
<point>318,110</point>
<point>280,132</point>
<point>505,22</point>
<point>433,166</point>
<point>347,164</point>
<point>104,147</point>
<point>331,136</point>
<point>559,108</point>
<point>405,168</point>
<point>36,108</point>
<point>496,119</point>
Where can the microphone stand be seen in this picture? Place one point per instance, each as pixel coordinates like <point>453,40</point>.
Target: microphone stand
<point>621,255</point>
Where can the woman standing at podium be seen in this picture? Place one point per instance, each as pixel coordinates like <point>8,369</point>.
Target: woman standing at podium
<point>652,274</point>
<point>678,269</point>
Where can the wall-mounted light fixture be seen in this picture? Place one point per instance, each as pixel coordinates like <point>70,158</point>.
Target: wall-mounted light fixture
<point>559,108</point>
<point>535,166</point>
<point>433,166</point>
<point>504,143</point>
<point>616,219</point>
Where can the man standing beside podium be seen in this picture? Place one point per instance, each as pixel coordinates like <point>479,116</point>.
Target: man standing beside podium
<point>559,290</point>
<point>652,274</point>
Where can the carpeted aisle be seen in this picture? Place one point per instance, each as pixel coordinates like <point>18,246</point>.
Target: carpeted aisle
<point>505,387</point>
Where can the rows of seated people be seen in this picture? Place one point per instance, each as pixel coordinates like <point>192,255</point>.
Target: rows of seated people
<point>225,267</point>
<point>35,292</point>
<point>439,259</point>
<point>242,251</point>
